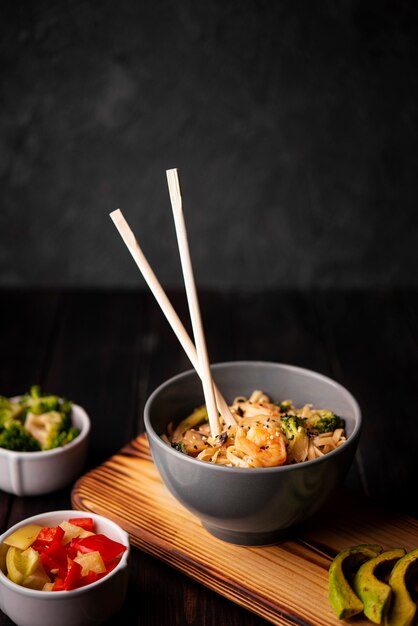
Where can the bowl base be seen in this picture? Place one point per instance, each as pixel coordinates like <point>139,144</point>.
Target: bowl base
<point>243,538</point>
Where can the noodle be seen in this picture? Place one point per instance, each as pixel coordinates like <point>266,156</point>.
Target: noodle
<point>267,434</point>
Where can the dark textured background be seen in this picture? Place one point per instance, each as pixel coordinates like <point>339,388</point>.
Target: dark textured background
<point>293,125</point>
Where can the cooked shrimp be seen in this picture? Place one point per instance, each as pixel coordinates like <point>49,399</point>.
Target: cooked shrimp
<point>264,444</point>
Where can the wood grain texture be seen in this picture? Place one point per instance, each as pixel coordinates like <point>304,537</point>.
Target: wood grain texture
<point>286,583</point>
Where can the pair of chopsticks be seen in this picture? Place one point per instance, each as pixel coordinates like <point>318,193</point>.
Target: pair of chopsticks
<point>197,353</point>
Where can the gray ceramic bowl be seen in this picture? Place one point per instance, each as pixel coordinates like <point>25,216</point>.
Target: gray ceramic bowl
<point>251,506</point>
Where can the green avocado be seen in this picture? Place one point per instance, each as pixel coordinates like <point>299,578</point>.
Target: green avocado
<point>403,609</point>
<point>343,600</point>
<point>373,592</point>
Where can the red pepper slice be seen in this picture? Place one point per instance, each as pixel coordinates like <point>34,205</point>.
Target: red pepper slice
<point>84,522</point>
<point>73,576</point>
<point>72,548</point>
<point>47,533</point>
<point>58,585</point>
<point>90,577</point>
<point>109,549</point>
<point>110,567</point>
<point>46,536</point>
<point>54,557</point>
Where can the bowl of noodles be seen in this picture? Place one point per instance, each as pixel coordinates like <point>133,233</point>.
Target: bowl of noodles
<point>292,441</point>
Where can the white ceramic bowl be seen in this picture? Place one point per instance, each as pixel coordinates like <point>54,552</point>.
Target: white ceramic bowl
<point>35,473</point>
<point>87,606</point>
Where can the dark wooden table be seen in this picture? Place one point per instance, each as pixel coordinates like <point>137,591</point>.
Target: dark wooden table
<point>108,350</point>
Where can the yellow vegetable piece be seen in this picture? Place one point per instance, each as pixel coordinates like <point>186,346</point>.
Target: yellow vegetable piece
<point>92,561</point>
<point>13,572</point>
<point>48,586</point>
<point>3,551</point>
<point>85,533</point>
<point>21,563</point>
<point>70,532</point>
<point>23,537</point>
<point>38,579</point>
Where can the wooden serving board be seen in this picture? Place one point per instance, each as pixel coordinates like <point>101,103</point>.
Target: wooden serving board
<point>286,583</point>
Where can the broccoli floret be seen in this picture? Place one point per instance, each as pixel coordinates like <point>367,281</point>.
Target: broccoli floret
<point>290,425</point>
<point>66,408</point>
<point>293,427</point>
<point>284,406</point>
<point>64,437</point>
<point>35,401</point>
<point>324,422</point>
<point>179,446</point>
<point>9,411</point>
<point>16,437</point>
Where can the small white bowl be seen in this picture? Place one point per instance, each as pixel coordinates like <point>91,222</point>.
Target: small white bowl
<point>36,473</point>
<point>88,606</point>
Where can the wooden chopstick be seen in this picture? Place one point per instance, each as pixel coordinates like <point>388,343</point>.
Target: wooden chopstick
<point>134,248</point>
<point>191,292</point>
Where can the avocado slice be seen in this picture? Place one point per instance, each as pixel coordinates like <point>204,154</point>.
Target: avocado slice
<point>403,609</point>
<point>343,600</point>
<point>373,592</point>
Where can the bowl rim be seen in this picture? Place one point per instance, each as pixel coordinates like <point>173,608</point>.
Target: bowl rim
<point>82,415</point>
<point>352,439</point>
<point>65,514</point>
